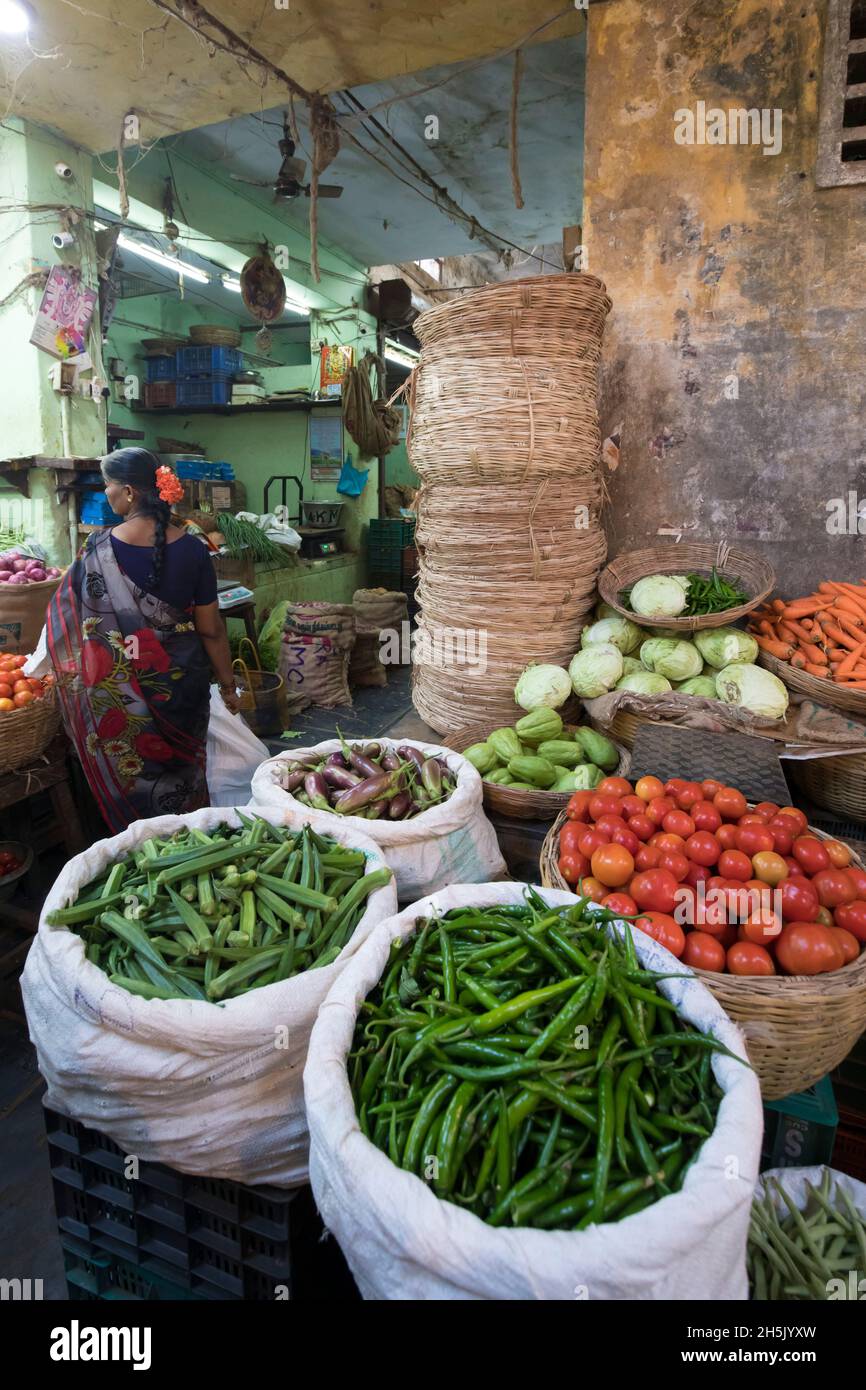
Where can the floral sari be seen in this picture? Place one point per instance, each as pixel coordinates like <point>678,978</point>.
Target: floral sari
<point>133,681</point>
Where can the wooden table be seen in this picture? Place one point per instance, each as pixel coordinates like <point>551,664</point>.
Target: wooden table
<point>245,610</point>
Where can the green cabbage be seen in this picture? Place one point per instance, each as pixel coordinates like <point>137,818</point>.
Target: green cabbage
<point>719,646</point>
<point>630,664</point>
<point>622,633</point>
<point>698,685</point>
<point>645,683</point>
<point>752,688</point>
<point>678,660</point>
<point>540,685</point>
<point>604,610</point>
<point>660,595</point>
<point>595,670</point>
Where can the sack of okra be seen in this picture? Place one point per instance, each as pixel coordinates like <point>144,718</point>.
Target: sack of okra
<point>552,1140</point>
<point>174,1014</point>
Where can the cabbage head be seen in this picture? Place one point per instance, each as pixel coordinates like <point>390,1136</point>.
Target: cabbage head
<point>622,633</point>
<point>752,688</point>
<point>644,683</point>
<point>595,670</point>
<point>678,660</point>
<point>660,595</point>
<point>720,646</point>
<point>542,686</point>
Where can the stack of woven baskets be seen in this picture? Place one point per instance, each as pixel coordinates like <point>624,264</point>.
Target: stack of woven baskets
<point>505,439</point>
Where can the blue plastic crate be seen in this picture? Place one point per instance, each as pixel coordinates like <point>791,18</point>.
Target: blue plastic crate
<point>95,511</point>
<point>161,369</point>
<point>208,361</point>
<point>207,391</point>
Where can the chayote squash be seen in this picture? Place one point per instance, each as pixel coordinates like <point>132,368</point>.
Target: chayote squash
<point>482,757</point>
<point>538,772</point>
<point>587,777</point>
<point>505,744</point>
<point>500,776</point>
<point>558,751</point>
<point>541,724</point>
<point>597,748</point>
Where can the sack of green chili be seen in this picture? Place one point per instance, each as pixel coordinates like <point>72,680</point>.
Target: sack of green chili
<point>378,1195</point>
<point>209,1083</point>
<point>451,842</point>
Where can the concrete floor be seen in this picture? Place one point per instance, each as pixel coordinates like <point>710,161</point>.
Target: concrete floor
<point>29,1246</point>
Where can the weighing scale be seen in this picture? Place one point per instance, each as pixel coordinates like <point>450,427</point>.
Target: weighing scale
<point>317,542</point>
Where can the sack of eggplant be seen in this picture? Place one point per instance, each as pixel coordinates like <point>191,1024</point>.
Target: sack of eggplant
<point>421,803</point>
<point>508,1053</point>
<point>171,1006</point>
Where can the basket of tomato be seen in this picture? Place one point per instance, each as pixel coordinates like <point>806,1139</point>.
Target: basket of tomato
<point>29,714</point>
<point>770,912</point>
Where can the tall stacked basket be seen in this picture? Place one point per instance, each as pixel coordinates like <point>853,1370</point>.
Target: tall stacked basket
<point>505,439</point>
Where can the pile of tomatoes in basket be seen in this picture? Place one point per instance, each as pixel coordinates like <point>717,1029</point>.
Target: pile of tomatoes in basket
<point>16,690</point>
<point>9,862</point>
<point>723,886</point>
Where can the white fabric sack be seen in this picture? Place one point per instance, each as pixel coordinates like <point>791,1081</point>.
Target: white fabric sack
<point>793,1181</point>
<point>39,662</point>
<point>233,754</point>
<point>206,1089</point>
<point>451,843</point>
<point>402,1242</point>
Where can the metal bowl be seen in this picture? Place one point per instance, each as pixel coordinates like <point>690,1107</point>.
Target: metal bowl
<point>22,852</point>
<point>320,514</point>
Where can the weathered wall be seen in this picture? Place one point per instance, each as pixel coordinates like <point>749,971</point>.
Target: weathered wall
<point>730,272</point>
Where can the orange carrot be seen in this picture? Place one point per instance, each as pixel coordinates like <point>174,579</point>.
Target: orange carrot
<point>817,670</point>
<point>840,637</point>
<point>782,650</point>
<point>804,608</point>
<point>799,661</point>
<point>853,629</point>
<point>847,666</point>
<point>849,606</point>
<point>778,605</point>
<point>802,634</point>
<point>816,655</point>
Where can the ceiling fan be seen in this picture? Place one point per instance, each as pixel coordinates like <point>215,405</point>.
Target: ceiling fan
<point>288,183</point>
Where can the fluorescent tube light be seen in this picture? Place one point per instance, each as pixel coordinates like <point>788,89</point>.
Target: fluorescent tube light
<point>404,357</point>
<point>150,253</point>
<point>14,17</point>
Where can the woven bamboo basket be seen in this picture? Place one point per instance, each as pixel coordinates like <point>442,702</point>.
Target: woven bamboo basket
<point>797,1027</point>
<point>544,315</point>
<point>26,733</point>
<point>823,692</point>
<point>836,784</point>
<point>214,335</point>
<point>263,698</point>
<point>515,802</point>
<point>752,573</point>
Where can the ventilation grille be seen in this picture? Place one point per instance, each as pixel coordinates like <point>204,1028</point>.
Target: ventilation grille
<point>842,128</point>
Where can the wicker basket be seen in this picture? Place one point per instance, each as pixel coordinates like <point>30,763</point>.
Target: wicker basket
<point>823,692</point>
<point>836,784</point>
<point>263,700</point>
<point>514,801</point>
<point>549,316</point>
<point>214,335</point>
<point>26,733</point>
<point>750,572</point>
<point>797,1027</point>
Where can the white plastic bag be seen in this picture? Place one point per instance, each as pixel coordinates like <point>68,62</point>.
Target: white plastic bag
<point>402,1242</point>
<point>453,842</point>
<point>233,754</point>
<point>207,1089</point>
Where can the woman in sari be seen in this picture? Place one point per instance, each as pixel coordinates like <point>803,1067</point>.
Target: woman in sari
<point>135,638</point>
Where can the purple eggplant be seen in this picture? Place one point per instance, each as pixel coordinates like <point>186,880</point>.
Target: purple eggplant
<point>391,761</point>
<point>341,777</point>
<point>308,760</point>
<point>399,806</point>
<point>337,760</point>
<point>361,763</point>
<point>378,810</point>
<point>292,778</point>
<point>413,755</point>
<point>364,794</point>
<point>317,790</point>
<point>431,776</point>
<point>373,751</point>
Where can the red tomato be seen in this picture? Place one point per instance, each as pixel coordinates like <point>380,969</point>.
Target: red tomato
<point>648,787</point>
<point>674,785</point>
<point>705,816</point>
<point>702,848</point>
<point>655,890</point>
<point>810,854</point>
<point>698,873</point>
<point>658,808</point>
<point>570,836</point>
<point>840,855</point>
<point>613,786</point>
<point>751,819</point>
<point>746,958</point>
<point>573,867</point>
<point>767,809</point>
<point>762,927</point>
<point>603,806</point>
<point>754,839</point>
<point>5,691</point>
<point>612,865</point>
<point>631,806</point>
<point>678,823</point>
<point>852,917</point>
<point>627,838</point>
<point>578,806</point>
<point>594,889</point>
<point>710,787</point>
<point>689,795</point>
<point>733,863</point>
<point>608,824</point>
<point>675,862</point>
<point>667,841</point>
<point>806,948</point>
<point>654,839</point>
<point>799,901</point>
<point>833,887</point>
<point>647,857</point>
<point>795,815</point>
<point>847,941</point>
<point>686,910</point>
<point>730,803</point>
<point>22,698</point>
<point>620,903</point>
<point>703,952</point>
<point>825,917</point>
<point>727,836</point>
<point>663,929</point>
<point>769,867</point>
<point>858,878</point>
<point>782,828</point>
<point>591,840</point>
<point>641,826</point>
<point>794,867</point>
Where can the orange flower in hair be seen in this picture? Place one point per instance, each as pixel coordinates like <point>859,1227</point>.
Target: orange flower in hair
<point>168,485</point>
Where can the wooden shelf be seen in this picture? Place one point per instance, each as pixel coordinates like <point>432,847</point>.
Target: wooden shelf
<point>267,407</point>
